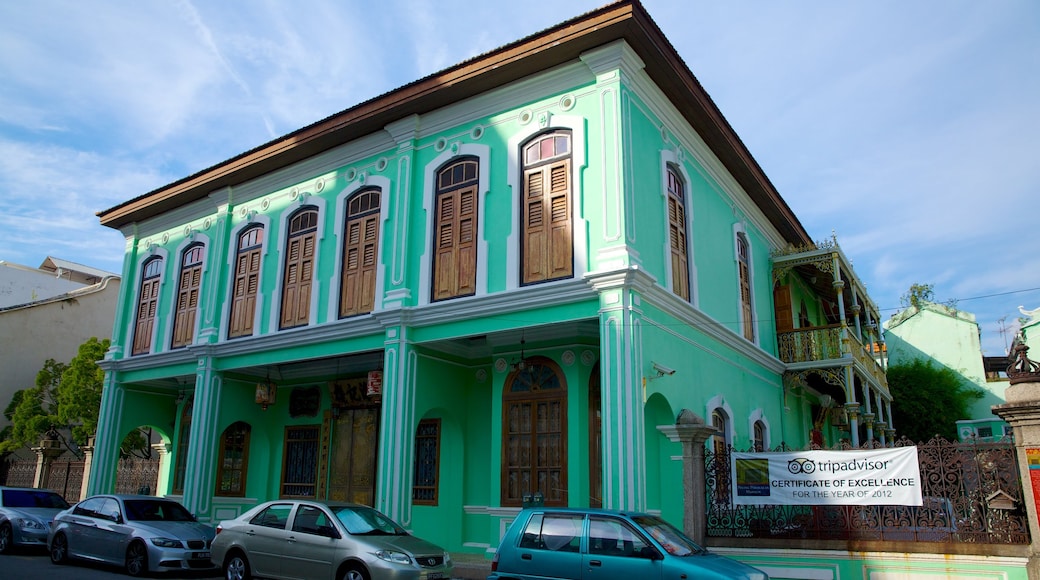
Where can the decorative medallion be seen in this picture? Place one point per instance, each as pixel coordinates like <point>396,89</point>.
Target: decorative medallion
<point>207,223</point>
<point>381,164</point>
<point>567,102</point>
<point>441,144</point>
<point>588,358</point>
<point>501,365</point>
<point>477,132</point>
<point>350,174</point>
<point>319,185</point>
<point>482,375</point>
<point>567,357</point>
<point>525,117</point>
<point>187,231</point>
<point>166,238</point>
<point>265,204</point>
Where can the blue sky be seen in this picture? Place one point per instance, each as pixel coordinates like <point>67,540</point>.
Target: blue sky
<point>908,128</point>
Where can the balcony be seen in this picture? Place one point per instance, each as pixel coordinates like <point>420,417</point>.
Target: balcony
<point>824,344</point>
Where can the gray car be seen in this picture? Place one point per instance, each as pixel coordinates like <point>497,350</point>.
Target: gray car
<point>25,516</point>
<point>140,533</point>
<point>315,540</point>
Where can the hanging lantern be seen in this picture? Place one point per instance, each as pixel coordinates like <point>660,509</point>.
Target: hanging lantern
<point>375,384</point>
<point>266,393</point>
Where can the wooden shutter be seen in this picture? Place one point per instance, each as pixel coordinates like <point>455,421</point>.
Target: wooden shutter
<point>147,305</point>
<point>246,284</point>
<point>678,243</point>
<point>548,234</point>
<point>188,288</point>
<point>357,292</point>
<point>784,310</point>
<point>745,288</point>
<point>296,287</point>
<point>455,254</point>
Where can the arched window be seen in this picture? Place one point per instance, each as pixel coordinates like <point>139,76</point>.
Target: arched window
<point>299,268</point>
<point>234,460</point>
<point>147,304</point>
<point>360,251</point>
<point>759,440</point>
<point>547,246</point>
<point>534,434</point>
<point>744,265</point>
<point>455,230</point>
<point>188,285</point>
<point>246,282</point>
<point>677,234</point>
<point>720,440</point>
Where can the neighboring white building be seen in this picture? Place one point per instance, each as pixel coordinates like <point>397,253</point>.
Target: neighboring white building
<point>46,313</point>
<point>951,338</point>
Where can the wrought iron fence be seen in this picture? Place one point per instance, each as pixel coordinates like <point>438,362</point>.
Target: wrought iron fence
<point>20,473</point>
<point>972,493</point>
<point>66,478</point>
<point>135,475</point>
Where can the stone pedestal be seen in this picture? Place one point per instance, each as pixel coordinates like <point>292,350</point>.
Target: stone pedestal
<point>692,432</point>
<point>1022,412</point>
<point>49,450</point>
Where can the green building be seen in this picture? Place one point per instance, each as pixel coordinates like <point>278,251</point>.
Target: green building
<point>494,282</point>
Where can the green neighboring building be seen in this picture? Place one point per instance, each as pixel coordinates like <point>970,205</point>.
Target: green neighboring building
<point>496,281</point>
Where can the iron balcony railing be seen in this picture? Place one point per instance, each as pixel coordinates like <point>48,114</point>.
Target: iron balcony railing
<point>822,343</point>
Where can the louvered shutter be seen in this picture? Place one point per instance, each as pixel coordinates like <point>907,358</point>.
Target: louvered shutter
<point>678,243</point>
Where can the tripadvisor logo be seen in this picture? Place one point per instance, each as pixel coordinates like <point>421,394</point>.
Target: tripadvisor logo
<point>801,465</point>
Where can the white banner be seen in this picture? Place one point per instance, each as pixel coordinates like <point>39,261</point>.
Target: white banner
<point>858,477</point>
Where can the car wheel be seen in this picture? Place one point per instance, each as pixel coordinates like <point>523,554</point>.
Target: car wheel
<point>354,572</point>
<point>136,559</point>
<point>236,567</point>
<point>59,549</point>
<point>6,538</point>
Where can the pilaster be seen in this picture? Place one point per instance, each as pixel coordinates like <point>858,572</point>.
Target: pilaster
<point>397,426</point>
<point>200,471</point>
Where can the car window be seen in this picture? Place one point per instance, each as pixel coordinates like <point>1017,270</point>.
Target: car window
<point>156,510</point>
<point>27,498</point>
<point>89,507</point>
<point>670,538</point>
<point>612,537</point>
<point>310,520</point>
<point>275,516</point>
<point>109,509</point>
<point>556,532</point>
<point>360,520</point>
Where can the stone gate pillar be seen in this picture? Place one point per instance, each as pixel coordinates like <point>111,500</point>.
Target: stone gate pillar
<point>692,432</point>
<point>1022,412</point>
<point>46,453</point>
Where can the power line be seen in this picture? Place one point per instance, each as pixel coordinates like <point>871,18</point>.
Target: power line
<point>979,297</point>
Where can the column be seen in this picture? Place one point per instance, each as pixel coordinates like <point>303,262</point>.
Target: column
<point>46,453</point>
<point>107,439</point>
<point>396,428</point>
<point>200,472</point>
<point>163,451</point>
<point>88,466</point>
<point>624,446</point>
<point>1022,412</point>
<point>853,410</point>
<point>868,420</point>
<point>692,432</point>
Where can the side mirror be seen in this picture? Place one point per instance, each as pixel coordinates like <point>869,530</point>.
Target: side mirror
<point>650,553</point>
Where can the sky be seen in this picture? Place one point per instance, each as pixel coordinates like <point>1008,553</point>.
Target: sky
<point>908,129</point>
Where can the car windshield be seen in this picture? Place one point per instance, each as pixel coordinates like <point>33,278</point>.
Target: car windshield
<point>360,520</point>
<point>151,510</point>
<point>670,538</point>
<point>24,498</point>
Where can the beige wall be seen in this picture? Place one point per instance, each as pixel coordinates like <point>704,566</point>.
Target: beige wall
<point>55,328</point>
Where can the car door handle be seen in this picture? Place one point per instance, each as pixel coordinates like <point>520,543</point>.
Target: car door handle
<point>250,533</point>
<point>525,557</point>
<point>291,539</point>
<point>595,563</point>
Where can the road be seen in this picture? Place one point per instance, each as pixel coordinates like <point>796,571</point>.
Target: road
<point>25,563</point>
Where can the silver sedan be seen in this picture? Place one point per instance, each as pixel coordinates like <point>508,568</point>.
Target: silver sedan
<point>139,532</point>
<point>25,516</point>
<point>297,539</point>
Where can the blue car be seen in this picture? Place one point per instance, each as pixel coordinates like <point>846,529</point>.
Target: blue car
<point>583,544</point>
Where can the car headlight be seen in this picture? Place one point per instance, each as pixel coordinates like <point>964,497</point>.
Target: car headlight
<point>30,524</point>
<point>167,543</point>
<point>395,557</point>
